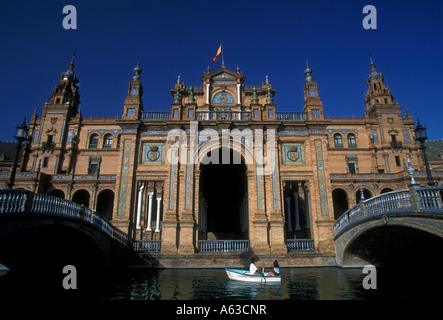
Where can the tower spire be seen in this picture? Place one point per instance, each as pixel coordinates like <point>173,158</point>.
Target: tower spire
<point>71,64</point>
<point>308,72</point>
<point>137,71</point>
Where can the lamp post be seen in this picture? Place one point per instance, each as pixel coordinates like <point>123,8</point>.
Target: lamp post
<point>21,134</point>
<point>421,137</point>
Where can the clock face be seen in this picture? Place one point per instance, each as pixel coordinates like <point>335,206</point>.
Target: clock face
<point>312,92</point>
<point>133,92</point>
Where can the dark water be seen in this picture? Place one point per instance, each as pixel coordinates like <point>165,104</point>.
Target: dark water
<point>322,283</point>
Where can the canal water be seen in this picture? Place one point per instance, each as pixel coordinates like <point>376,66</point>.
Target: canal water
<point>301,283</point>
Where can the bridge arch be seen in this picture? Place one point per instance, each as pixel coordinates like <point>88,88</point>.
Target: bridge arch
<point>365,242</point>
<point>48,242</point>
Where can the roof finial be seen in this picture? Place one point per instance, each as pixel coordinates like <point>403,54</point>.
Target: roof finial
<point>372,62</point>
<point>308,72</point>
<point>137,71</point>
<point>71,65</point>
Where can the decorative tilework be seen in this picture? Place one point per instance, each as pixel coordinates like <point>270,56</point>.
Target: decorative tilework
<point>188,181</point>
<point>343,131</point>
<point>153,153</point>
<point>259,180</point>
<point>124,177</point>
<point>102,131</point>
<point>294,133</point>
<point>154,132</point>
<point>293,153</point>
<point>274,180</point>
<point>321,178</point>
<point>375,134</point>
<point>172,180</point>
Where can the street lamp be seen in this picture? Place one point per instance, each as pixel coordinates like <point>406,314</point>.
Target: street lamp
<point>21,134</point>
<point>421,137</point>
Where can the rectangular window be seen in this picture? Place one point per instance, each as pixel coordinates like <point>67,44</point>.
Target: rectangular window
<point>45,162</point>
<point>190,113</point>
<point>93,168</point>
<point>351,167</point>
<point>315,113</point>
<point>256,114</point>
<point>175,113</point>
<point>397,161</point>
<point>270,114</point>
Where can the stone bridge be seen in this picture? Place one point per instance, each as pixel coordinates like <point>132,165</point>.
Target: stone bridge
<point>383,227</point>
<point>41,230</point>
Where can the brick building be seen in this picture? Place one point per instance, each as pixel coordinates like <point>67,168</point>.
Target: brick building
<point>223,163</point>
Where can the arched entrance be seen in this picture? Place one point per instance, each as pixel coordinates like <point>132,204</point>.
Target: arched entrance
<point>81,197</point>
<point>224,194</point>
<point>340,201</point>
<point>105,203</point>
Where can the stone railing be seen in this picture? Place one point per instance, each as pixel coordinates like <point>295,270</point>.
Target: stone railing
<point>298,245</point>
<point>414,199</point>
<point>223,246</point>
<point>291,116</point>
<point>25,202</point>
<point>156,115</point>
<point>223,115</point>
<point>147,246</point>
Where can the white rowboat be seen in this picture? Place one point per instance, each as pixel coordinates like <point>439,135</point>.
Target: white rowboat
<point>245,275</point>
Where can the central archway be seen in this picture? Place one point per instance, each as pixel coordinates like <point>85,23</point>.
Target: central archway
<point>224,188</point>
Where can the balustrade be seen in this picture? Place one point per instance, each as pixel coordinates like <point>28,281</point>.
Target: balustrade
<point>290,116</point>
<point>297,245</point>
<point>223,246</point>
<point>146,246</point>
<point>156,115</point>
<point>223,115</point>
<point>22,201</point>
<point>429,200</point>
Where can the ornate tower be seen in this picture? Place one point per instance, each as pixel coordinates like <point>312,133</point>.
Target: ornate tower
<point>65,97</point>
<point>133,105</point>
<point>378,94</point>
<point>313,104</point>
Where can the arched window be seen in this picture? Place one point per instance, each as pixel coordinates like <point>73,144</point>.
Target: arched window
<point>223,98</point>
<point>352,142</point>
<point>338,142</point>
<point>93,141</point>
<point>107,141</point>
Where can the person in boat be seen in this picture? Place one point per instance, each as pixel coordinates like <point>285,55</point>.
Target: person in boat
<point>276,269</point>
<point>254,269</point>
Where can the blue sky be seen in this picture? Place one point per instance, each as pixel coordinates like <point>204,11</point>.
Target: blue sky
<point>172,38</point>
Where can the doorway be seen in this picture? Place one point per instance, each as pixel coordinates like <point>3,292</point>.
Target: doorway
<point>224,188</point>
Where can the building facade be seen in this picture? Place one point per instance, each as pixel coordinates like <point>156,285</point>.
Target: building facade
<point>223,163</point>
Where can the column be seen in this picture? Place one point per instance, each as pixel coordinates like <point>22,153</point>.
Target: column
<point>207,93</point>
<point>288,212</point>
<point>139,206</point>
<point>157,227</point>
<point>151,195</point>
<point>297,209</point>
<point>307,205</point>
<point>238,93</point>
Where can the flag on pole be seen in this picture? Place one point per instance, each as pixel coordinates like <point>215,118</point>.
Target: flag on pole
<point>219,51</point>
